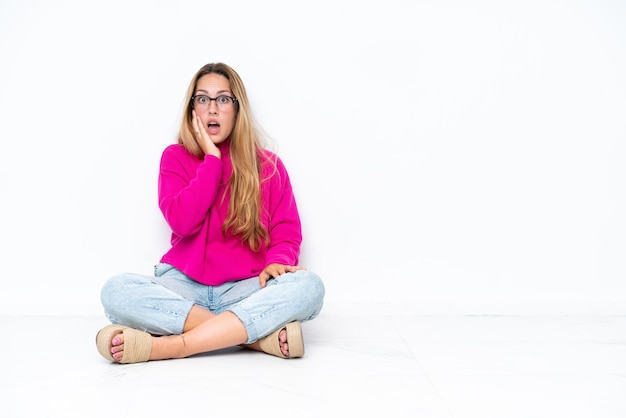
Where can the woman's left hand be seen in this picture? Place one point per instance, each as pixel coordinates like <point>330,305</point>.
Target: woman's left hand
<point>274,270</point>
<point>202,136</point>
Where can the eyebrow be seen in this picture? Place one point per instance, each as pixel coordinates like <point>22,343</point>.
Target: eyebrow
<point>218,93</point>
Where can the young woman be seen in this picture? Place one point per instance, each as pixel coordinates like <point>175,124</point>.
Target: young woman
<point>231,276</point>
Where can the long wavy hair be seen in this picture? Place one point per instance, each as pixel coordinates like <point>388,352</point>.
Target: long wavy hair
<point>246,146</point>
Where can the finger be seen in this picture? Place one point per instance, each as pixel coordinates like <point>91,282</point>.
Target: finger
<point>293,269</point>
<point>198,126</point>
<point>194,120</point>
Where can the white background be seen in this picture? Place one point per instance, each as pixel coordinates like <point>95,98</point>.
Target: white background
<point>448,156</point>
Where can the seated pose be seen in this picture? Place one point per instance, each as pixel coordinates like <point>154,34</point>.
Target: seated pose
<point>231,276</point>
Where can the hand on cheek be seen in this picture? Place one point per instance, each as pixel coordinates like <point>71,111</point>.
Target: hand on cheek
<point>203,138</point>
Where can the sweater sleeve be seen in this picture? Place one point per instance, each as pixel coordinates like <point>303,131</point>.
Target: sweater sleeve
<point>284,220</point>
<point>187,188</point>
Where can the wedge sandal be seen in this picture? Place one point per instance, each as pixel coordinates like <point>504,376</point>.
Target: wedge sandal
<point>271,345</point>
<point>137,344</point>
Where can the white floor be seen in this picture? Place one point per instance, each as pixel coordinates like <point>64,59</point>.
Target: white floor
<point>390,366</point>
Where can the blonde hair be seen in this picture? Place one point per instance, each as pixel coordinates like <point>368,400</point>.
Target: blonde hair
<point>246,153</point>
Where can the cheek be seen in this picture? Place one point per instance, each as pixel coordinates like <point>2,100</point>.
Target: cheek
<point>230,123</point>
<point>203,117</point>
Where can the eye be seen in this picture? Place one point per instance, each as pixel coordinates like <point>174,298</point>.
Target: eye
<point>202,99</point>
<point>223,99</point>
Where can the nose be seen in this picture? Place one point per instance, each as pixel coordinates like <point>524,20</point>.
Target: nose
<point>213,106</point>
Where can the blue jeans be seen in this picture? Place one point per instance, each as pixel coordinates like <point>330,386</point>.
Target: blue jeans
<point>160,304</point>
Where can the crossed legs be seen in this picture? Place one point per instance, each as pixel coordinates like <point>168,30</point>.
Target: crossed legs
<point>203,331</point>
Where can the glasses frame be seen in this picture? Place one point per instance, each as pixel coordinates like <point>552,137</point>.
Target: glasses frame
<point>233,100</point>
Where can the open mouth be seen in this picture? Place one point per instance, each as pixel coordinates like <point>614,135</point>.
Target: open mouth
<point>213,127</point>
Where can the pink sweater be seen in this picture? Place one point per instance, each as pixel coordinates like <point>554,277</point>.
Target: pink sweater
<point>190,198</point>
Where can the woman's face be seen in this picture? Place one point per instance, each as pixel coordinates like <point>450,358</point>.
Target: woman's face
<point>217,116</point>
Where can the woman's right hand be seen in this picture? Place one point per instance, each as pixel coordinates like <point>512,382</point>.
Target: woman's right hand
<point>203,138</point>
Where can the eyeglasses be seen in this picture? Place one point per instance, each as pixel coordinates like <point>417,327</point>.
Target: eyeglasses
<point>222,101</point>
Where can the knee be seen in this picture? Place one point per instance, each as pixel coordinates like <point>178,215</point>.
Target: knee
<point>317,285</point>
<point>314,289</point>
<point>113,291</point>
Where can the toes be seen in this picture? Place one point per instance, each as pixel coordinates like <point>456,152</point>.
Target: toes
<point>117,346</point>
<point>117,339</point>
<point>282,341</point>
<point>118,352</point>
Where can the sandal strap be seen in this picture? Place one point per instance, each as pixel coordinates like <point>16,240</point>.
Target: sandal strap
<point>137,346</point>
